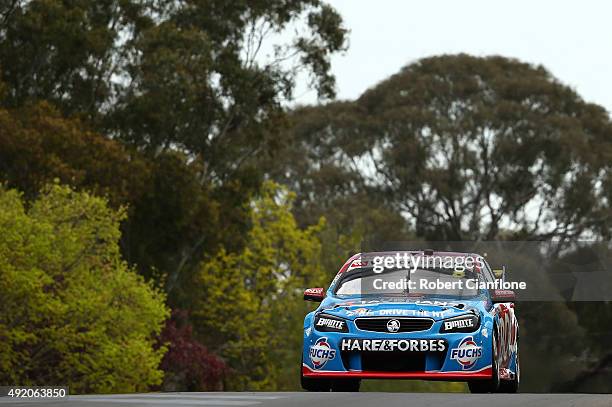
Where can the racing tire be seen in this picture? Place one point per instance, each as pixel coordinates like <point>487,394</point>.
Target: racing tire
<point>312,384</point>
<point>318,385</point>
<point>512,386</point>
<point>346,385</point>
<point>488,385</point>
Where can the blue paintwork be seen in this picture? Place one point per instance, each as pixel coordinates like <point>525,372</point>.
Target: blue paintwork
<point>500,316</point>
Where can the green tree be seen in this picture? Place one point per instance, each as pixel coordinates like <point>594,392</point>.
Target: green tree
<point>465,146</point>
<point>73,312</point>
<point>194,89</point>
<point>173,217</point>
<point>328,183</point>
<point>457,147</point>
<point>38,145</point>
<point>67,52</point>
<point>209,77</point>
<point>245,299</point>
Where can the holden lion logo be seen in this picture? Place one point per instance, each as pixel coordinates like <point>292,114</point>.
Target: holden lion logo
<point>467,353</point>
<point>393,325</point>
<point>320,353</point>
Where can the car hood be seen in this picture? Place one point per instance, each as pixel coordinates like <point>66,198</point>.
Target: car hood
<point>435,308</point>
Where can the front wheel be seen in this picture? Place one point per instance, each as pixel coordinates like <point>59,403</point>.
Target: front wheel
<point>312,384</point>
<point>346,385</point>
<point>512,386</point>
<point>490,385</point>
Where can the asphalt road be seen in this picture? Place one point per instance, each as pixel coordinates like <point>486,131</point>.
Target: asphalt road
<point>327,399</point>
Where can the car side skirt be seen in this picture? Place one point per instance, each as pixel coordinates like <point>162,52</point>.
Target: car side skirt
<point>484,373</point>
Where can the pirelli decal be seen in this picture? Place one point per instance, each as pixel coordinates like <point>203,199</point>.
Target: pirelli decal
<point>391,345</point>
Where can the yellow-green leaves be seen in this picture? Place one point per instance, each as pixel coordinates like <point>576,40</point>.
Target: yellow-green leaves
<point>249,306</point>
<point>73,312</point>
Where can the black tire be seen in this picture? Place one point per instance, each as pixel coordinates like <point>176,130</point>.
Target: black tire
<point>346,385</point>
<point>490,385</point>
<point>312,384</point>
<point>512,386</point>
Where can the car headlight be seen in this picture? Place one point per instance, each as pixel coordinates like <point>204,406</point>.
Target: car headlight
<point>462,323</point>
<point>328,323</point>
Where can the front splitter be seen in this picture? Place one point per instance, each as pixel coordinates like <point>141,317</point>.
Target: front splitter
<point>484,373</point>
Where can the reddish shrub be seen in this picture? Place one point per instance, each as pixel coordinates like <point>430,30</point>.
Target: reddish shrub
<point>188,365</point>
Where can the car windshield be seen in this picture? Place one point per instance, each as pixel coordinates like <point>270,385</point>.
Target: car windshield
<point>416,282</point>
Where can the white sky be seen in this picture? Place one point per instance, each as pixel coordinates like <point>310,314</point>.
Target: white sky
<point>572,39</point>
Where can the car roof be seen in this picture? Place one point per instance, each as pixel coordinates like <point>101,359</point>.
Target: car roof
<point>369,255</point>
<point>393,252</point>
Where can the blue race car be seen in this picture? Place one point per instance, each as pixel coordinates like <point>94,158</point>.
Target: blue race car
<point>423,318</point>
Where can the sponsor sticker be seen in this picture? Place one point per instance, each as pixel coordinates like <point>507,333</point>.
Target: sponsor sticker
<point>320,353</point>
<point>459,323</point>
<point>401,312</point>
<point>391,345</point>
<point>467,353</point>
<point>441,303</point>
<point>359,312</point>
<point>314,291</point>
<point>330,323</point>
<point>357,263</point>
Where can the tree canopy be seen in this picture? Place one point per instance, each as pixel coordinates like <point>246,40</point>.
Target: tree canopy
<point>466,148</point>
<point>207,77</point>
<point>72,310</point>
<point>244,300</point>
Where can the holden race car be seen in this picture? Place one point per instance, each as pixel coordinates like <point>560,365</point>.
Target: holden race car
<point>382,318</point>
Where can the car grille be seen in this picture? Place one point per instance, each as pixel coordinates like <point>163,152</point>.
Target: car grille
<point>393,361</point>
<point>406,324</point>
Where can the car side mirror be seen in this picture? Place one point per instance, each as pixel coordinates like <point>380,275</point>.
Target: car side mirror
<point>314,294</point>
<point>498,296</point>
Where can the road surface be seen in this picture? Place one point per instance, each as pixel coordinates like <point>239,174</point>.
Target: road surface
<point>326,399</point>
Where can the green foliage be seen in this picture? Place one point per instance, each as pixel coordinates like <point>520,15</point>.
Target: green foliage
<point>178,104</point>
<point>462,145</point>
<point>73,312</point>
<point>39,145</point>
<point>66,52</point>
<point>173,216</point>
<point>171,110</point>
<point>329,182</point>
<point>164,75</point>
<point>221,99</point>
<point>246,299</point>
<point>452,148</point>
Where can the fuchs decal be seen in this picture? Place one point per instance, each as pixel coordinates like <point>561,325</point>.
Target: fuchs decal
<point>467,353</point>
<point>320,353</point>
